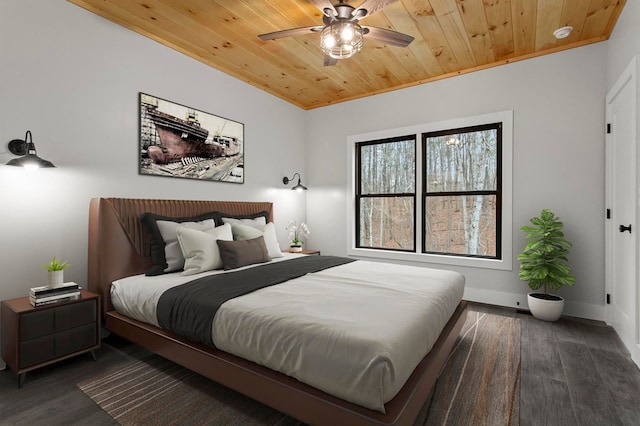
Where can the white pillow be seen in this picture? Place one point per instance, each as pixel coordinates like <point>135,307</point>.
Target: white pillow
<point>199,248</point>
<point>172,252</point>
<point>254,223</point>
<point>268,231</point>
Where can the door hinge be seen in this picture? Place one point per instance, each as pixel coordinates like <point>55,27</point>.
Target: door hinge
<point>608,213</point>
<point>608,299</point>
<point>608,128</point>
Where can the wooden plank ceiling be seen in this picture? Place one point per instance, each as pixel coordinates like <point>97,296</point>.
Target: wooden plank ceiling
<point>451,37</point>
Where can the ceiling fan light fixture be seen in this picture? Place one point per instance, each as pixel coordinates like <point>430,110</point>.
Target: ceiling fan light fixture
<point>341,40</point>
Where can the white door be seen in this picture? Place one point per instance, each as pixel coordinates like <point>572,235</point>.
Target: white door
<point>622,229</point>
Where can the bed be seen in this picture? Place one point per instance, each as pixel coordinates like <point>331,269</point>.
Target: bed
<point>119,248</point>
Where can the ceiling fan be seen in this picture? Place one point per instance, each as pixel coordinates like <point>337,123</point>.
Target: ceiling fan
<point>341,36</point>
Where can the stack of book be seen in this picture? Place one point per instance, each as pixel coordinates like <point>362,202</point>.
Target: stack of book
<point>39,296</point>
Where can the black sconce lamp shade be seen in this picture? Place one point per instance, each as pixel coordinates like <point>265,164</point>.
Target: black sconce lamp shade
<point>298,186</point>
<point>27,149</point>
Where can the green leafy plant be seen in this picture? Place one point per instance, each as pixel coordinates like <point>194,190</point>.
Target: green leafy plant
<point>55,265</point>
<point>544,258</point>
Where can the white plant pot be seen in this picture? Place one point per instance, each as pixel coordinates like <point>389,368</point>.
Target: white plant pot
<point>543,309</point>
<point>55,278</point>
<point>295,249</point>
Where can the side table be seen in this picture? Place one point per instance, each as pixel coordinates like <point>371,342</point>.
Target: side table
<point>34,337</point>
<point>316,252</point>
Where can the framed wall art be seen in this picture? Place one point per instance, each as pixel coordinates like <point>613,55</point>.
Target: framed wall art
<point>183,142</point>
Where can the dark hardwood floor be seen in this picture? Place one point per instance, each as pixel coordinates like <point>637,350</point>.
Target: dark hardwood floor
<point>574,372</point>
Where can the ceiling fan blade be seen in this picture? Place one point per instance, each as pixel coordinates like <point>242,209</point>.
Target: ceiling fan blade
<point>372,6</point>
<point>329,61</point>
<point>391,37</point>
<point>289,33</point>
<point>323,5</point>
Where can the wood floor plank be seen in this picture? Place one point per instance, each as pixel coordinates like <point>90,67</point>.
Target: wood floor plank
<point>590,333</point>
<point>591,399</point>
<point>542,380</point>
<point>542,349</point>
<point>622,379</point>
<point>545,401</point>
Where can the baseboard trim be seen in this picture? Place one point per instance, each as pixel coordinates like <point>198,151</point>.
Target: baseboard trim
<point>519,301</point>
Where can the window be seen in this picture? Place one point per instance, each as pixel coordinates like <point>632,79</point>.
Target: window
<point>435,193</point>
<point>462,191</point>
<point>386,193</point>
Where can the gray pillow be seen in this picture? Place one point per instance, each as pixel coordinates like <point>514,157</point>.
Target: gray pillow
<point>235,254</point>
<point>172,252</point>
<point>150,224</point>
<point>255,219</point>
<point>255,222</point>
<point>199,248</point>
<point>268,232</point>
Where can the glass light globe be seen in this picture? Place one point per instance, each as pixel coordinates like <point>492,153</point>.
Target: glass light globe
<point>341,40</point>
<point>329,41</point>
<point>347,33</point>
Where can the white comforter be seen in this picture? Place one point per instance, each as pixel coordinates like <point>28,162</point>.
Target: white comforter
<point>356,331</point>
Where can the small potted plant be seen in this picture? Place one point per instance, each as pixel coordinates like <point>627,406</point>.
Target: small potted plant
<point>544,265</point>
<point>296,235</point>
<point>55,271</point>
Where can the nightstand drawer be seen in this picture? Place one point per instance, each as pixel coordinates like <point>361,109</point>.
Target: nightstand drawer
<point>75,315</point>
<point>35,351</point>
<point>36,324</point>
<point>75,339</point>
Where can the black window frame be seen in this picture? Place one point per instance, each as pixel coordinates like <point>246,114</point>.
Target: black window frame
<point>359,195</point>
<point>498,191</point>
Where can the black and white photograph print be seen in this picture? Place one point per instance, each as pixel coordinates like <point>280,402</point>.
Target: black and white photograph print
<point>183,142</point>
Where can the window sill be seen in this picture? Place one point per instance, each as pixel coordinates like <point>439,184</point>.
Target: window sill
<point>468,262</point>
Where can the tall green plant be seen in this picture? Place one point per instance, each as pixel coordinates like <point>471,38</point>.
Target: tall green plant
<point>544,259</point>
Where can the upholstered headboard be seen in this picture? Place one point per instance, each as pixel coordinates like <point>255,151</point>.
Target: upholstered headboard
<point>119,246</point>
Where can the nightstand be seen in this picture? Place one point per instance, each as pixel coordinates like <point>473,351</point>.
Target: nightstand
<point>35,337</point>
<point>316,252</point>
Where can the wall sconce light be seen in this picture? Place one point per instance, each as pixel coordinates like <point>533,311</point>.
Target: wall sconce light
<point>298,187</point>
<point>27,149</point>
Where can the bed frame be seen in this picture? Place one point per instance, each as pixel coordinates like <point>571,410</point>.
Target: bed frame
<point>119,247</point>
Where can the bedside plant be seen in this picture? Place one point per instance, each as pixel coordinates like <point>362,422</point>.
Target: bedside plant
<point>55,270</point>
<point>55,265</point>
<point>296,233</point>
<point>544,264</point>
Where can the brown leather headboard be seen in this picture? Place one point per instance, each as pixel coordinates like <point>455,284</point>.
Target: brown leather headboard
<point>119,246</point>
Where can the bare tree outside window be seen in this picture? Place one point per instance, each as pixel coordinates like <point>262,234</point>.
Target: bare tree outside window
<point>437,192</point>
<point>385,198</point>
<point>462,191</point>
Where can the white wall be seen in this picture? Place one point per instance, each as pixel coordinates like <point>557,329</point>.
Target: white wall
<point>73,79</point>
<point>558,162</point>
<point>624,42</point>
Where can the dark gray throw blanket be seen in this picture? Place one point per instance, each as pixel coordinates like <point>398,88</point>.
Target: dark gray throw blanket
<point>188,309</point>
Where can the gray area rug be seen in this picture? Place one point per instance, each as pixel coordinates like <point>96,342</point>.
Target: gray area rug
<point>480,385</point>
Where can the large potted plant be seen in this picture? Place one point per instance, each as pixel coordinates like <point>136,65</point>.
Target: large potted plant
<point>544,265</point>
